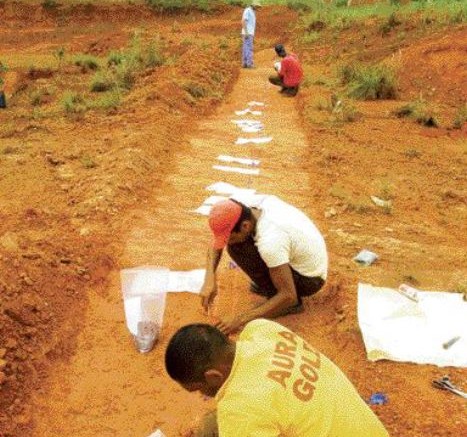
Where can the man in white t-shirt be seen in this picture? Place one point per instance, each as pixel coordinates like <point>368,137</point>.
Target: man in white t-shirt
<point>276,245</point>
<point>248,33</point>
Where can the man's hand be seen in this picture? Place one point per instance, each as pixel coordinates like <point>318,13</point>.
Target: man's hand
<point>208,294</point>
<point>228,325</point>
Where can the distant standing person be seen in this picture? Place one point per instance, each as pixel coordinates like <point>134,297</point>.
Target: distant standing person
<point>276,245</point>
<point>289,72</point>
<point>268,383</point>
<point>248,33</point>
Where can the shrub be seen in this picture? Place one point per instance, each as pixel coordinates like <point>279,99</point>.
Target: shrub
<point>108,101</point>
<point>49,4</point>
<point>102,82</point>
<point>115,58</point>
<point>195,90</point>
<point>87,62</point>
<point>180,5</point>
<point>154,57</point>
<point>59,54</point>
<point>73,103</point>
<point>125,74</point>
<point>420,111</point>
<point>461,117</point>
<point>299,6</point>
<point>38,97</point>
<point>88,162</point>
<point>374,83</point>
<point>347,73</point>
<point>390,24</point>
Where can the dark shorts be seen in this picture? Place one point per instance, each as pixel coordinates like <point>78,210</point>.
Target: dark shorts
<point>247,257</point>
<point>288,90</point>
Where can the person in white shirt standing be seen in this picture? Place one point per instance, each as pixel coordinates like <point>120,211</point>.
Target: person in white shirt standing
<point>276,245</point>
<point>248,33</point>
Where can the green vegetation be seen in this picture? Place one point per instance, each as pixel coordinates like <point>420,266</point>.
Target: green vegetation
<point>195,90</point>
<point>59,54</point>
<point>3,69</point>
<point>49,4</point>
<point>461,117</point>
<point>73,103</point>
<point>335,14</point>
<point>372,82</point>
<point>87,62</point>
<point>420,111</point>
<point>102,82</point>
<point>184,5</point>
<point>88,162</point>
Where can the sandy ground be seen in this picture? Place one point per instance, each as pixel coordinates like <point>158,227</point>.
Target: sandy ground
<point>67,231</point>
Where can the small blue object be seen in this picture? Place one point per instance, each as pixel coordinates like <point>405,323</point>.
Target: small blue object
<point>378,399</point>
<point>366,257</point>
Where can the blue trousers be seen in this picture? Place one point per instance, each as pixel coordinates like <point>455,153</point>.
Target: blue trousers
<point>247,51</point>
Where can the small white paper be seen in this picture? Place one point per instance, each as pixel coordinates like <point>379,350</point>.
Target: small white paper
<point>250,171</point>
<point>229,189</point>
<point>248,111</point>
<point>247,122</point>
<point>260,140</point>
<point>203,210</point>
<point>186,281</point>
<point>253,103</point>
<point>252,129</point>
<point>244,161</point>
<point>157,433</point>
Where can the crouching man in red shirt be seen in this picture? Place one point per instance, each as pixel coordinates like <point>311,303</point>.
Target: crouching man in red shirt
<point>289,72</point>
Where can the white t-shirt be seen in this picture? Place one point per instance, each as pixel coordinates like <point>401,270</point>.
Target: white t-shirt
<point>249,17</point>
<point>285,235</point>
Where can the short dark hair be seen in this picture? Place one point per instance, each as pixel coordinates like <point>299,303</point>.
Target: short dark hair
<point>244,215</point>
<point>192,350</point>
<point>280,50</point>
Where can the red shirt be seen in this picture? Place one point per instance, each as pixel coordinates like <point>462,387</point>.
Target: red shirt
<point>291,71</point>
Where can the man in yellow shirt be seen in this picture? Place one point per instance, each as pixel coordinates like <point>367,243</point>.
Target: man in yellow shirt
<point>269,383</point>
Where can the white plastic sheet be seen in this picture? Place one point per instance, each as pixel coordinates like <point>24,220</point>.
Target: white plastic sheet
<point>396,328</point>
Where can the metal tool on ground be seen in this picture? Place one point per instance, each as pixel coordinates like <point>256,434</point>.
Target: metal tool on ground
<point>445,384</point>
<point>449,343</point>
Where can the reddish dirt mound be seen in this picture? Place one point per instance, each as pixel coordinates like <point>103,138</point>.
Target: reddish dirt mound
<point>439,71</point>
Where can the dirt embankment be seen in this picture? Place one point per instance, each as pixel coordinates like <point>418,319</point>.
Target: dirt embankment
<point>67,180</point>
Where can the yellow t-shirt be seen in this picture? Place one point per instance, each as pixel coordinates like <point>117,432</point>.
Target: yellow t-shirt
<point>281,386</point>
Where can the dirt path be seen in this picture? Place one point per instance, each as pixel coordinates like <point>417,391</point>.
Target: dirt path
<point>108,389</point>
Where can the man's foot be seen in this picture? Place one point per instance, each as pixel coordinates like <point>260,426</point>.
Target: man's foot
<point>249,66</point>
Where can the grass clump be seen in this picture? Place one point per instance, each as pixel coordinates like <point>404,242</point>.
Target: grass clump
<point>461,117</point>
<point>184,5</point>
<point>419,111</point>
<point>49,4</point>
<point>102,82</point>
<point>39,97</point>
<point>376,82</point>
<point>195,90</point>
<point>73,103</point>
<point>391,23</point>
<point>88,162</point>
<point>87,62</point>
